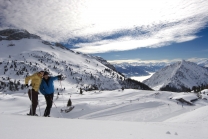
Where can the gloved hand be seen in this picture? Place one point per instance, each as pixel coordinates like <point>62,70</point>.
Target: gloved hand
<point>27,86</point>
<point>60,77</point>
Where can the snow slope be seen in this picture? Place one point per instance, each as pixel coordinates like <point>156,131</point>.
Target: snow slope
<point>199,115</point>
<point>68,63</point>
<point>178,76</point>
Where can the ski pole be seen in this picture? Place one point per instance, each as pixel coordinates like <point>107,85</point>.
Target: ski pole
<point>62,93</point>
<point>31,102</point>
<point>39,107</point>
<point>57,108</point>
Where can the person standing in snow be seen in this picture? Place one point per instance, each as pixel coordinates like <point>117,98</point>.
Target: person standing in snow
<point>33,92</point>
<point>47,89</point>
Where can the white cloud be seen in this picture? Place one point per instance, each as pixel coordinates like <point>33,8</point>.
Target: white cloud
<point>128,24</point>
<point>196,60</point>
<point>167,61</point>
<point>130,61</point>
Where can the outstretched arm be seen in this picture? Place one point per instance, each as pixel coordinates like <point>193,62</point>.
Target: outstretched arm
<point>54,78</point>
<point>59,77</point>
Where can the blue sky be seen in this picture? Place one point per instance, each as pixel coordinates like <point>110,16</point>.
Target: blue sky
<point>116,29</point>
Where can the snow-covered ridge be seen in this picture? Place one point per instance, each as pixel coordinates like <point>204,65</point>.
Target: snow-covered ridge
<point>105,62</point>
<point>178,76</point>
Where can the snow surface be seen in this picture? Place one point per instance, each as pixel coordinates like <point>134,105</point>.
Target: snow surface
<point>196,116</point>
<point>107,114</point>
<point>56,128</point>
<point>204,94</point>
<point>205,91</point>
<point>129,105</point>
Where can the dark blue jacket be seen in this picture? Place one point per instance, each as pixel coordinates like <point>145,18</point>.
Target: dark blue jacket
<point>47,88</point>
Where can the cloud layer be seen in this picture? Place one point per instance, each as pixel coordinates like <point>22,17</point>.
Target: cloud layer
<point>97,26</point>
<point>167,61</point>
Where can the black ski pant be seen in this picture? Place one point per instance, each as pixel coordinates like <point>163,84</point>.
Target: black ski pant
<point>49,103</point>
<point>33,95</point>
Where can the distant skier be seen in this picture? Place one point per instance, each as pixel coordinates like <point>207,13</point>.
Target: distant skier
<point>47,89</point>
<point>33,92</point>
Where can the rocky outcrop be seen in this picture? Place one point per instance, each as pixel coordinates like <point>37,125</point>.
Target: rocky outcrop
<point>16,34</point>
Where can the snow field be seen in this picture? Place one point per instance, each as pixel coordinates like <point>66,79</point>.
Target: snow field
<point>129,105</point>
<point>53,128</point>
<point>108,114</point>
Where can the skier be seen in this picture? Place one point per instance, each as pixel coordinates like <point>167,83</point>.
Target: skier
<point>47,89</point>
<point>33,91</point>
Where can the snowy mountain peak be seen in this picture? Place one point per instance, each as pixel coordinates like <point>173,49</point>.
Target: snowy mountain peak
<point>179,76</point>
